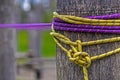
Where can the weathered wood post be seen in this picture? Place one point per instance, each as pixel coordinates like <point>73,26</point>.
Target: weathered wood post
<point>7,59</point>
<point>104,69</point>
<point>35,50</point>
<point>36,16</point>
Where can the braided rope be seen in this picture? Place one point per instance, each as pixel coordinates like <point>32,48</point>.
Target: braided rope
<point>67,25</point>
<point>75,53</point>
<point>34,26</point>
<point>80,20</point>
<point>87,30</point>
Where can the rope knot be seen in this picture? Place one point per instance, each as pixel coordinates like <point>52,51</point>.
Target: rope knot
<point>81,58</point>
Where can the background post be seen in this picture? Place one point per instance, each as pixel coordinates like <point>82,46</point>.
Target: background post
<point>104,69</point>
<point>7,58</point>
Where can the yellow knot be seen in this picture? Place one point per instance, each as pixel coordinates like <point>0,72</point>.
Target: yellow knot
<point>81,58</point>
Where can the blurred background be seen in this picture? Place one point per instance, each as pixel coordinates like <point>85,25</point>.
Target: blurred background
<point>35,48</point>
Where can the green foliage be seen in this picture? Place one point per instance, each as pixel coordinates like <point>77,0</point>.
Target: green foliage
<point>48,45</point>
<point>23,41</point>
<point>48,16</point>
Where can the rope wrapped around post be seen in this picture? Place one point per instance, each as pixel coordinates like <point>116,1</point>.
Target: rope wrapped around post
<point>75,53</point>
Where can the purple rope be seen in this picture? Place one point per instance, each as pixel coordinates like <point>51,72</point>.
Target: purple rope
<point>87,30</point>
<point>40,26</point>
<point>111,16</point>
<point>62,25</point>
<point>66,25</point>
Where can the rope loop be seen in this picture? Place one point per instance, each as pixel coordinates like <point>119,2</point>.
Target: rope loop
<point>75,53</point>
<point>62,38</point>
<point>81,58</point>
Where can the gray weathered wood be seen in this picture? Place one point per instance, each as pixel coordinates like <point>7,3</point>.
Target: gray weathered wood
<point>36,16</point>
<point>105,69</point>
<point>35,48</point>
<point>7,59</point>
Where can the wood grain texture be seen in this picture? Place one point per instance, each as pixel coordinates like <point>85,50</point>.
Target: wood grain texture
<point>7,59</point>
<point>104,69</point>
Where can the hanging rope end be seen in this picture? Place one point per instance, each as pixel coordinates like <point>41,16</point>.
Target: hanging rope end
<point>55,13</point>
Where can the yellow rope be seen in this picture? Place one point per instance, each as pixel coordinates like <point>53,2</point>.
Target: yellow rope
<point>80,20</point>
<point>75,53</point>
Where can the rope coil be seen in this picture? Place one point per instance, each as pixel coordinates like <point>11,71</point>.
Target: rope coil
<point>75,53</point>
<point>59,24</point>
<point>80,20</point>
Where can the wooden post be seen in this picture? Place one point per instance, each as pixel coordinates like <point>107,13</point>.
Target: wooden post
<point>35,52</point>
<point>104,69</point>
<point>36,16</point>
<point>7,59</point>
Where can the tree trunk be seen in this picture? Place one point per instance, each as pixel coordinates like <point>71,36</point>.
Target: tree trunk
<point>7,59</point>
<point>104,69</point>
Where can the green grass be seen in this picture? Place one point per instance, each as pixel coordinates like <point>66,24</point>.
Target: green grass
<point>23,41</point>
<point>48,45</point>
<point>48,16</point>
